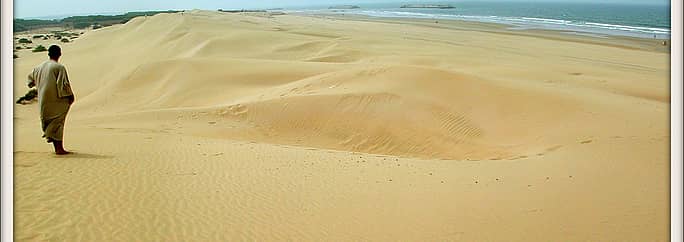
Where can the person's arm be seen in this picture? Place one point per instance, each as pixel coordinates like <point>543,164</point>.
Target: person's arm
<point>63,86</point>
<point>31,80</point>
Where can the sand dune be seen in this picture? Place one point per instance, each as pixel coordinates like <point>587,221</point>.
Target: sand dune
<point>215,126</point>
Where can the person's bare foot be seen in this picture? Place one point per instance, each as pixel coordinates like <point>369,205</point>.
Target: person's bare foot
<point>62,152</point>
<point>59,149</point>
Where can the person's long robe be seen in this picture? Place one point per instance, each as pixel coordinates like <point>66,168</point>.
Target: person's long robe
<point>54,91</point>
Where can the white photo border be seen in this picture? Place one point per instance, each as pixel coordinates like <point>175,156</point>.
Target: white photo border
<point>676,121</point>
<point>7,115</point>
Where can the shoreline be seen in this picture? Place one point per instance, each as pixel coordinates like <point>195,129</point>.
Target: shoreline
<point>628,42</point>
<point>653,23</point>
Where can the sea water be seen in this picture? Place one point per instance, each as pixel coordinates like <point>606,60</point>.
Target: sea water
<point>595,19</point>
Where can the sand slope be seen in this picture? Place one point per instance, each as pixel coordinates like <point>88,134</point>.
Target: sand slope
<point>215,126</point>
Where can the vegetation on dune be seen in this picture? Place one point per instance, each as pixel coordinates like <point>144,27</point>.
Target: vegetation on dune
<point>28,24</point>
<point>82,25</point>
<point>61,34</point>
<point>29,97</point>
<point>39,48</point>
<point>25,41</point>
<point>65,40</point>
<point>81,22</point>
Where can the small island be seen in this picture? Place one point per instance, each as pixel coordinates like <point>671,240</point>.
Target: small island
<point>344,7</point>
<point>441,6</point>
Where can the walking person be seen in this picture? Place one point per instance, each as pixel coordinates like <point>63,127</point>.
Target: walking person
<point>54,96</point>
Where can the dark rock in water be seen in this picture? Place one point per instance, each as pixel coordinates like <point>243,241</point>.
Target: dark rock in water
<point>242,11</point>
<point>276,13</point>
<point>29,97</point>
<point>441,6</point>
<point>344,7</point>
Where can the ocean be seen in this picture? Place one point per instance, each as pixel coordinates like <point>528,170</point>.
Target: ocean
<point>595,19</point>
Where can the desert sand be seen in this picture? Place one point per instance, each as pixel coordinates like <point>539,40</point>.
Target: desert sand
<point>208,126</point>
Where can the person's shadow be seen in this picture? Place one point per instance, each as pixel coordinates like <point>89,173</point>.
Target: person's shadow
<point>79,155</point>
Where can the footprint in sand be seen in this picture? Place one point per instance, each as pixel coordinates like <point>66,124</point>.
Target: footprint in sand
<point>518,157</point>
<point>238,109</point>
<point>25,165</point>
<point>586,141</point>
<point>550,149</point>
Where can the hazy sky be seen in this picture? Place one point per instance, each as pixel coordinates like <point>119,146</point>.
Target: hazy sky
<point>38,8</point>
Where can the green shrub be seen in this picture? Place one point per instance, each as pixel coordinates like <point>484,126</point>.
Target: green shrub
<point>65,40</point>
<point>39,48</point>
<point>18,48</point>
<point>38,36</point>
<point>80,22</point>
<point>82,25</point>
<point>25,41</point>
<point>97,26</point>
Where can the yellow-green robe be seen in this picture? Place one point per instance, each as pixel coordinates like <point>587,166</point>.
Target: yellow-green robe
<point>54,90</point>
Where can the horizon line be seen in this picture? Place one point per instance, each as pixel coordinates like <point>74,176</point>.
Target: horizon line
<point>112,13</point>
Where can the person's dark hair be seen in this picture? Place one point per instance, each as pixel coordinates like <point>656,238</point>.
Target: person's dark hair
<point>54,51</point>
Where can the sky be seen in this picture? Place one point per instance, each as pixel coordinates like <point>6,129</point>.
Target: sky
<point>61,8</point>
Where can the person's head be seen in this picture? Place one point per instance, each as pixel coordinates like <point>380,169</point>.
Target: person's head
<point>54,52</point>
